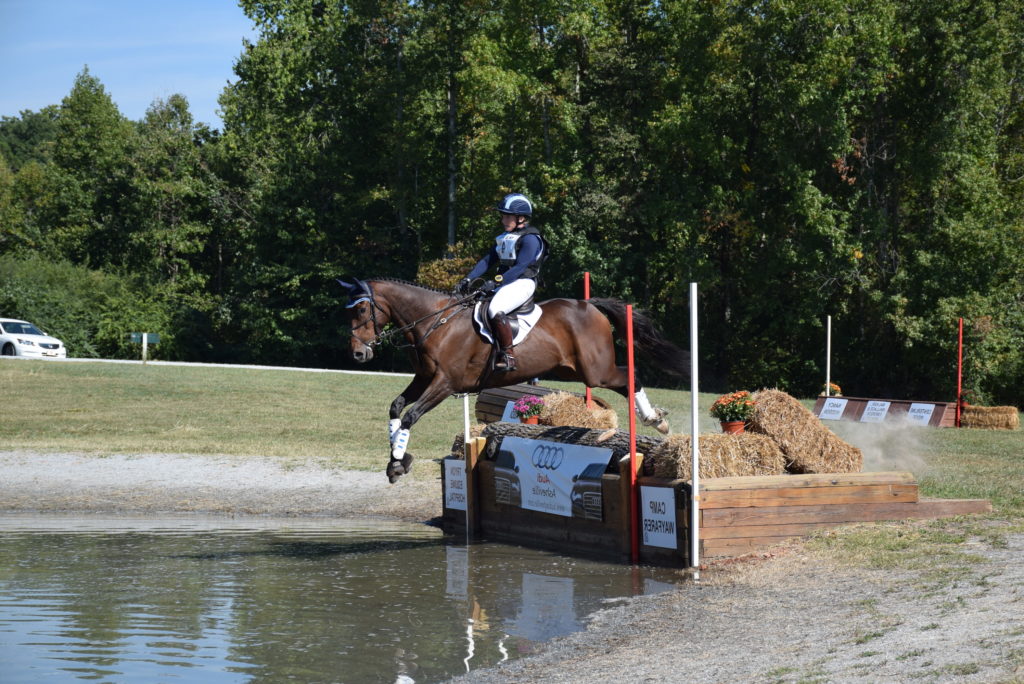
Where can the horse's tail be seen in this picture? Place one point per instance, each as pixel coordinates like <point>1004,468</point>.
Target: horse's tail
<point>646,337</point>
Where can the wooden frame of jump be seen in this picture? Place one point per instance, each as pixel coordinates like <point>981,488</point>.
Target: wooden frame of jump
<point>738,515</point>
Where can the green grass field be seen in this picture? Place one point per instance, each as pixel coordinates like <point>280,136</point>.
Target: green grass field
<point>340,420</point>
<point>335,419</point>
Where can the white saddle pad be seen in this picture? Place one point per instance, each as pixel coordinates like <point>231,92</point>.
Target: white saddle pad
<point>526,323</point>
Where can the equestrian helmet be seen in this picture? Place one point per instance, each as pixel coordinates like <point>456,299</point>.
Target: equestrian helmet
<point>515,204</point>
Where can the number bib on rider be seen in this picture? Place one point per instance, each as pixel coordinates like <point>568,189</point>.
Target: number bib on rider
<point>507,247</point>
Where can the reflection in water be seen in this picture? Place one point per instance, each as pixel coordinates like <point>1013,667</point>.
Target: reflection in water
<point>236,600</point>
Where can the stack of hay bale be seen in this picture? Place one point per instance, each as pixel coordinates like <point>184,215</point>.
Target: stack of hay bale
<point>565,408</point>
<point>784,437</point>
<point>720,456</point>
<point>990,417</point>
<point>808,445</point>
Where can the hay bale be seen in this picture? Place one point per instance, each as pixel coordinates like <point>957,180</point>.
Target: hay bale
<point>459,445</point>
<point>720,456</point>
<point>990,417</point>
<point>808,445</point>
<point>566,408</point>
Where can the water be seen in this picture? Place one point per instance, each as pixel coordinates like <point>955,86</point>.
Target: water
<point>219,600</point>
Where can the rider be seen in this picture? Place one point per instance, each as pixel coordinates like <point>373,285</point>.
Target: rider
<point>518,254</point>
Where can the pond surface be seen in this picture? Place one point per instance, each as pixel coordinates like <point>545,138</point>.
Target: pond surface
<point>229,600</point>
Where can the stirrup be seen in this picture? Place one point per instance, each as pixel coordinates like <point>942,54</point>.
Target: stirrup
<point>505,362</point>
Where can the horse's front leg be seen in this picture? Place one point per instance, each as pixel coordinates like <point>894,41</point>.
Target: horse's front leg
<point>401,462</point>
<point>411,393</point>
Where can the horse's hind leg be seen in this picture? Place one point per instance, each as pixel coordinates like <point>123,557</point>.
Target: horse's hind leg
<point>617,378</point>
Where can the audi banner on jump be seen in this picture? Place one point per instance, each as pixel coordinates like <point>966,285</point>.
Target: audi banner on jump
<point>564,479</point>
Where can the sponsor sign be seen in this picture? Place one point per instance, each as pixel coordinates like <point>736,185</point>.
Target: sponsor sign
<point>455,484</point>
<point>875,412</point>
<point>507,416</point>
<point>551,476</point>
<point>658,511</point>
<point>920,414</point>
<point>832,409</point>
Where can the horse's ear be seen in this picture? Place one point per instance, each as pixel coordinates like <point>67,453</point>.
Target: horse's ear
<point>347,286</point>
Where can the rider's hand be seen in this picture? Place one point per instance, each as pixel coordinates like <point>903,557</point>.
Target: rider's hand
<point>463,287</point>
<point>489,287</point>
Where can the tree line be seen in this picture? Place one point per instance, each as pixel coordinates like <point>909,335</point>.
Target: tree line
<point>798,159</point>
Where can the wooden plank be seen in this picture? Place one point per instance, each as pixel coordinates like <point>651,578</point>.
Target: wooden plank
<point>719,548</point>
<point>717,542</point>
<point>473,450</point>
<point>713,484</point>
<point>945,508</point>
<point>793,515</point>
<point>808,496</point>
<point>743,531</point>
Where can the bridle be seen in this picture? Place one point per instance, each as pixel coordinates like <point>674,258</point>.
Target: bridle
<point>381,336</point>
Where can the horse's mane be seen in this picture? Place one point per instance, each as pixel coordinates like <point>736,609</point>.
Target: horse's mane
<point>410,283</point>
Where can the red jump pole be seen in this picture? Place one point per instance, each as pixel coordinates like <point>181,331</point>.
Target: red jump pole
<point>634,513</point>
<point>586,295</point>
<point>960,372</point>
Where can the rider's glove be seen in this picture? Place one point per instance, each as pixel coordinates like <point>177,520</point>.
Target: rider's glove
<point>463,287</point>
<point>489,287</point>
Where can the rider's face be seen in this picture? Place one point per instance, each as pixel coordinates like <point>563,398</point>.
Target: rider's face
<point>509,222</point>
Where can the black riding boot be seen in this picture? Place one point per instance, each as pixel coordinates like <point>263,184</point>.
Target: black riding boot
<point>504,361</point>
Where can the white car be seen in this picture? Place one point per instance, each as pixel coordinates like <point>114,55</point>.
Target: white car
<point>21,338</point>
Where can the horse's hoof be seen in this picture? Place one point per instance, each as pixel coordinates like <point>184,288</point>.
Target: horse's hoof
<point>398,468</point>
<point>395,470</point>
<point>662,427</point>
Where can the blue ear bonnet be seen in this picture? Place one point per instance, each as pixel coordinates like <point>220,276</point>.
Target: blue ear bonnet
<point>357,292</point>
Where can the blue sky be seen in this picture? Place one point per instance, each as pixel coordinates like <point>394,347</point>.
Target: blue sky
<point>140,50</point>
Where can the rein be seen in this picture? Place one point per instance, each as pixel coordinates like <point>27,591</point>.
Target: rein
<point>382,336</point>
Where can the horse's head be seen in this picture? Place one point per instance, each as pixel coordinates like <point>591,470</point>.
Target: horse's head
<point>366,318</point>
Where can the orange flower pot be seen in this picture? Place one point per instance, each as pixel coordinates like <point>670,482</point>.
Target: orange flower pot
<point>532,420</point>
<point>733,427</point>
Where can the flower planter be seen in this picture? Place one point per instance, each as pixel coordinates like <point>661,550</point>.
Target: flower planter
<point>530,420</point>
<point>733,427</point>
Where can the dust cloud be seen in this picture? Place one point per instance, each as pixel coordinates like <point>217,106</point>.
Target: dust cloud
<point>892,445</point>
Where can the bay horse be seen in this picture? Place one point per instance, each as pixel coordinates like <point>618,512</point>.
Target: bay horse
<point>573,340</point>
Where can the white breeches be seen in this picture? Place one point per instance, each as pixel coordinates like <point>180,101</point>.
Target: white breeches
<point>512,296</point>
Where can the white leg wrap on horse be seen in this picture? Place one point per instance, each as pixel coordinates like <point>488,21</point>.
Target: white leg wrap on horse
<point>399,444</point>
<point>393,426</point>
<point>643,406</point>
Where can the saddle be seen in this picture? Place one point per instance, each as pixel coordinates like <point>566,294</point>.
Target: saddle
<point>522,320</point>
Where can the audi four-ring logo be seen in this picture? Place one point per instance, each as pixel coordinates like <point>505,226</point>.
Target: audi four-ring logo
<point>547,457</point>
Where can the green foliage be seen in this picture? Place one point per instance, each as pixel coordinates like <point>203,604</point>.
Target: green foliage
<point>91,312</point>
<point>28,137</point>
<point>863,160</point>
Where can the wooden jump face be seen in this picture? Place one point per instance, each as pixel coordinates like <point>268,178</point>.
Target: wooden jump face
<point>738,515</point>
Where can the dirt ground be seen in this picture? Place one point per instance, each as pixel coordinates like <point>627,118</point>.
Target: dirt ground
<point>789,616</point>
